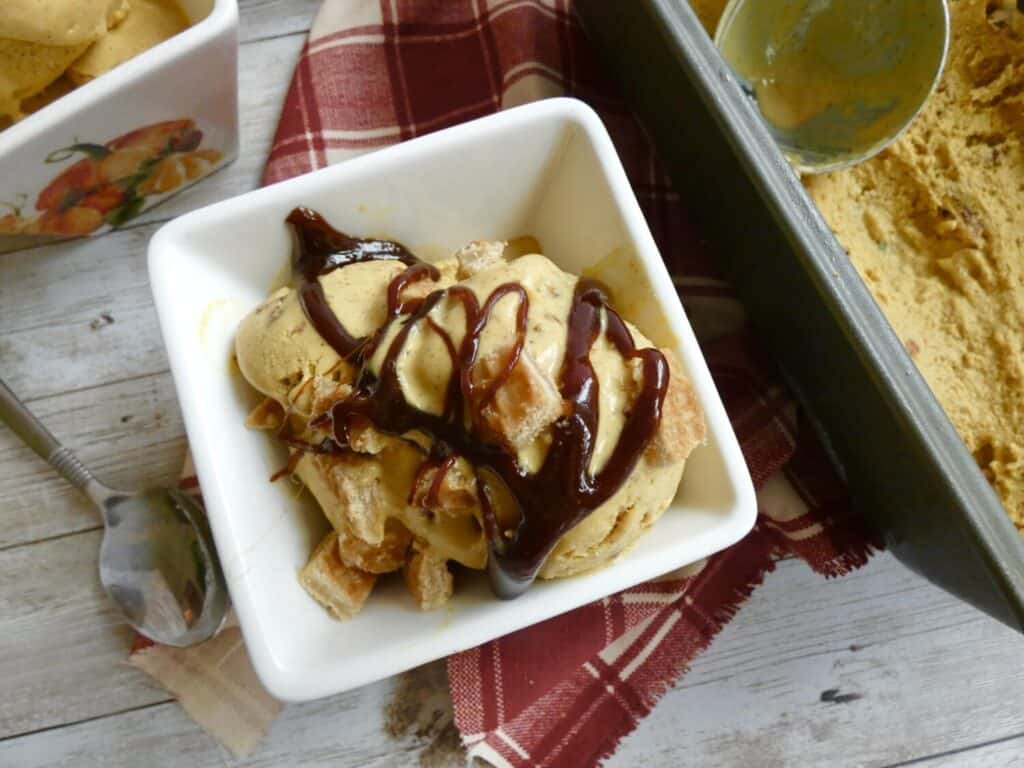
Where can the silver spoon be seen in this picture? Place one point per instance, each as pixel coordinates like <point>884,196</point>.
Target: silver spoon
<point>157,559</point>
<point>836,81</point>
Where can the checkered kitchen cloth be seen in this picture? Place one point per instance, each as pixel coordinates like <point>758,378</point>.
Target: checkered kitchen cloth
<point>562,693</point>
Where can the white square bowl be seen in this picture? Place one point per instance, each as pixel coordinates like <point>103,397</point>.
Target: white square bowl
<point>184,90</point>
<point>548,170</point>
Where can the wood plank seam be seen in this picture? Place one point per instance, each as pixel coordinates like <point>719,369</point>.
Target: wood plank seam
<point>46,539</point>
<point>117,713</point>
<point>96,387</point>
<point>265,38</point>
<point>958,751</point>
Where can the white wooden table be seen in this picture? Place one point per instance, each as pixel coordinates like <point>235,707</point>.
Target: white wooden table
<point>876,669</point>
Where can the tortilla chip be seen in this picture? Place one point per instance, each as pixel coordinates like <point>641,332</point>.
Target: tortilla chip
<point>61,23</point>
<point>149,23</point>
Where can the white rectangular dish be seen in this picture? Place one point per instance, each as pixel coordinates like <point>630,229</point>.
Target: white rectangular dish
<point>548,170</point>
<point>114,147</point>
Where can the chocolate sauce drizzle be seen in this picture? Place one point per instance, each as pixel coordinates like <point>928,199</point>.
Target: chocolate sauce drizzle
<point>546,504</point>
<point>320,249</point>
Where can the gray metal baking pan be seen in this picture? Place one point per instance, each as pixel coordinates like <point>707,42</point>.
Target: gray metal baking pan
<point>907,468</point>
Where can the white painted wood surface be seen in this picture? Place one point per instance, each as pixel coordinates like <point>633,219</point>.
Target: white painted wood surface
<point>876,669</point>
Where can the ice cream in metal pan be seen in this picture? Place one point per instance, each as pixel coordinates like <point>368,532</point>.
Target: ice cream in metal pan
<point>932,224</point>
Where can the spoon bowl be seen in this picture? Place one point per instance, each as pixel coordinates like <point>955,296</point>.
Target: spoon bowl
<point>157,564</point>
<point>836,81</point>
<point>157,559</point>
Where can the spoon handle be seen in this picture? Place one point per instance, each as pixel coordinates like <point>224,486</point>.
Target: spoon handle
<point>37,437</point>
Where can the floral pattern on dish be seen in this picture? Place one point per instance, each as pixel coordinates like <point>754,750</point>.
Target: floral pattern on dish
<point>113,182</point>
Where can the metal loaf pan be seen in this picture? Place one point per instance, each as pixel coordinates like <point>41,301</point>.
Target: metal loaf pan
<point>907,468</point>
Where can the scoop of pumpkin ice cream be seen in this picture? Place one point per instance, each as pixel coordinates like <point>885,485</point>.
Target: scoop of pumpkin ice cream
<point>384,479</point>
<point>41,40</point>
<point>26,69</point>
<point>149,24</point>
<point>278,349</point>
<point>60,23</point>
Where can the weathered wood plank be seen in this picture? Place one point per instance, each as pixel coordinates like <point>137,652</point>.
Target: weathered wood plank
<point>261,19</point>
<point>130,434</point>
<point>62,645</point>
<point>1007,753</point>
<point>399,721</point>
<point>78,315</point>
<point>870,670</point>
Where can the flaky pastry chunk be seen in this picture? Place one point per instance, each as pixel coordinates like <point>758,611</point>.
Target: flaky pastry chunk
<point>385,557</point>
<point>478,256</point>
<point>358,491</point>
<point>682,424</point>
<point>526,403</point>
<point>267,415</point>
<point>428,578</point>
<point>456,489</point>
<point>339,588</point>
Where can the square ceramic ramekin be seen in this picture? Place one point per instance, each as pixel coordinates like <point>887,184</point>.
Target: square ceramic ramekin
<point>548,170</point>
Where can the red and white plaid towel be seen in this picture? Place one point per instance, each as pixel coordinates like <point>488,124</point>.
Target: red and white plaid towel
<point>562,693</point>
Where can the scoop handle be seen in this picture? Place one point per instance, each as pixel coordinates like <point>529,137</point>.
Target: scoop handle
<point>37,437</point>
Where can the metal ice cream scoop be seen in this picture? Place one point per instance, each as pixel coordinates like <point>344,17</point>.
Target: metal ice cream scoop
<point>157,559</point>
<point>836,81</point>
